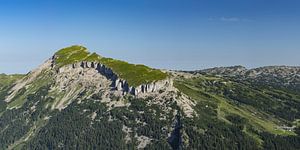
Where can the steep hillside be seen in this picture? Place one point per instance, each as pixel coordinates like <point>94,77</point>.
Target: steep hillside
<point>79,100</point>
<point>269,115</point>
<point>6,82</point>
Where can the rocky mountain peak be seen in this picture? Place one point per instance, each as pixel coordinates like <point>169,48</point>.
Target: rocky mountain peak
<point>135,75</point>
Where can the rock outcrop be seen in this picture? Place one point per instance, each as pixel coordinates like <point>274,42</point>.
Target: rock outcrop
<point>122,85</point>
<point>117,83</point>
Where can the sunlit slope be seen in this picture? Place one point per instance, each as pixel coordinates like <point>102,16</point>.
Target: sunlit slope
<point>134,74</point>
<point>254,109</point>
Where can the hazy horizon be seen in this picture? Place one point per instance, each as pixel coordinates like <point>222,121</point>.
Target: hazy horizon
<point>169,34</point>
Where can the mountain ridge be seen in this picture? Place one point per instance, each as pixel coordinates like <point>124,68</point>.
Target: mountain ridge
<point>134,74</point>
<point>241,70</point>
<point>73,103</point>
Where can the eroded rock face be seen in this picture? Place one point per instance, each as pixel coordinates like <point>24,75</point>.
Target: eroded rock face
<point>117,83</point>
<point>122,85</point>
<point>70,81</point>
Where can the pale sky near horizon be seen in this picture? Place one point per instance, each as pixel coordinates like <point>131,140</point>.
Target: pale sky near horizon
<point>166,34</point>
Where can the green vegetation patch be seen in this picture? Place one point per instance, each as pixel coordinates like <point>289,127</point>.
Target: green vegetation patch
<point>71,55</point>
<point>6,80</point>
<point>134,74</point>
<point>22,96</point>
<point>6,83</point>
<point>201,89</point>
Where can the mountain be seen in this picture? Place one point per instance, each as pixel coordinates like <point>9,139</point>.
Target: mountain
<point>81,100</point>
<point>279,76</point>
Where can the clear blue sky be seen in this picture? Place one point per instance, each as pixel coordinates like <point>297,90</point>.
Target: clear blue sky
<point>171,34</point>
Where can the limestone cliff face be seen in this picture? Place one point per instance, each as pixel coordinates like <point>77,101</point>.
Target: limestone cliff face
<point>122,85</point>
<point>118,83</point>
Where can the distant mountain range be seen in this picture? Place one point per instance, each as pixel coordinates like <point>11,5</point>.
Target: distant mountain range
<point>280,71</point>
<point>281,76</point>
<point>81,100</point>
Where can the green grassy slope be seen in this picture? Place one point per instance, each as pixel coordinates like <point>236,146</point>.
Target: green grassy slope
<point>22,96</point>
<point>6,80</point>
<point>258,111</point>
<point>134,74</point>
<point>6,83</point>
